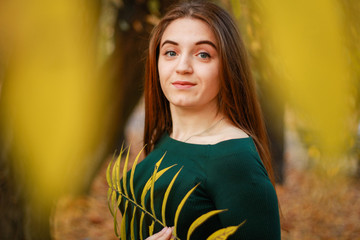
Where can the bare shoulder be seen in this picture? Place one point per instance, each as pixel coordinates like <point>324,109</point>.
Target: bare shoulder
<point>232,132</point>
<point>223,132</point>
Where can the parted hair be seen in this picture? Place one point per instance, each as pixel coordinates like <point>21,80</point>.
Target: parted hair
<point>237,98</point>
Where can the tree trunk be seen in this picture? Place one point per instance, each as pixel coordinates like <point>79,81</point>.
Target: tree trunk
<point>12,205</point>
<point>126,66</point>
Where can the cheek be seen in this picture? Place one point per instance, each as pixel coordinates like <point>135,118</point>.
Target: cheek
<point>162,71</point>
<point>162,77</point>
<point>212,76</point>
<point>214,84</point>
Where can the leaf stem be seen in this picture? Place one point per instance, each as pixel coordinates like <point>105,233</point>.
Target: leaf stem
<point>141,208</point>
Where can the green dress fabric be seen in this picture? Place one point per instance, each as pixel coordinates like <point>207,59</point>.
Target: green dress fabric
<point>231,176</point>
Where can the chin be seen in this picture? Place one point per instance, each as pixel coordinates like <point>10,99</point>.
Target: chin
<point>181,102</point>
<point>184,105</point>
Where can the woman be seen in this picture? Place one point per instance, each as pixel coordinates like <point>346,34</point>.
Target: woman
<point>202,112</point>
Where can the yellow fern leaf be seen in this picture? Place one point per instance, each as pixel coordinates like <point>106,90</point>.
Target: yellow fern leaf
<point>132,225</point>
<point>118,202</point>
<point>115,190</point>
<point>109,193</point>
<point>116,170</point>
<point>123,221</point>
<point>157,165</point>
<point>113,175</point>
<point>110,200</point>
<point>125,171</point>
<point>132,174</point>
<point>108,178</point>
<point>113,204</point>
<point>224,233</point>
<point>141,225</point>
<point>148,184</point>
<point>151,228</point>
<point>115,214</point>
<point>166,196</point>
<point>117,176</point>
<point>178,210</point>
<point>200,220</point>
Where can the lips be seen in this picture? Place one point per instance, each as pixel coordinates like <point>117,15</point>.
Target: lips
<point>183,84</point>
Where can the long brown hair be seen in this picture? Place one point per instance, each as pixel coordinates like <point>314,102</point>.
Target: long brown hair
<point>237,96</point>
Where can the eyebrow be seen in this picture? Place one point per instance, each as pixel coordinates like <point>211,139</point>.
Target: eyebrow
<point>197,43</point>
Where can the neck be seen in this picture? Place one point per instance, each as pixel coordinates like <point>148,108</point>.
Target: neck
<point>192,122</point>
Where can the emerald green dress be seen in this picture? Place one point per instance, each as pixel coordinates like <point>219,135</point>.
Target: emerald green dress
<point>231,176</point>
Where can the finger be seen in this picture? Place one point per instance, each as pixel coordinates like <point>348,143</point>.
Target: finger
<point>167,235</point>
<point>172,236</point>
<point>157,235</point>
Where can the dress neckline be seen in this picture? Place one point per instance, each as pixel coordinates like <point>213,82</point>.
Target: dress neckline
<point>167,141</point>
<point>168,144</point>
<point>167,137</point>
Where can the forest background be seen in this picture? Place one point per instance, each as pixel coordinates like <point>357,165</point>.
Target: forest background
<point>71,75</point>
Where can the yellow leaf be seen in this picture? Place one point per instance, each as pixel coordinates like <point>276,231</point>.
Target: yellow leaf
<point>113,176</point>
<point>109,203</point>
<point>116,170</point>
<point>110,191</point>
<point>108,178</point>
<point>117,175</point>
<point>132,225</point>
<point>112,202</point>
<point>166,196</point>
<point>148,184</point>
<point>224,233</point>
<point>115,210</point>
<point>118,202</point>
<point>123,225</point>
<point>200,220</point>
<point>178,210</point>
<point>125,171</point>
<point>141,225</point>
<point>132,174</point>
<point>115,214</point>
<point>151,228</point>
<point>157,165</point>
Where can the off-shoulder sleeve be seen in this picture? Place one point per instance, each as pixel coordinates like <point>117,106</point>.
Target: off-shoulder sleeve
<point>238,181</point>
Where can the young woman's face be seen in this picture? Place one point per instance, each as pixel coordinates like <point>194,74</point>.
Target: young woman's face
<point>188,64</point>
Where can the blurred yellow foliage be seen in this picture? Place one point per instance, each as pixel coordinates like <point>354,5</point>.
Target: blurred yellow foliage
<point>51,98</point>
<point>308,38</point>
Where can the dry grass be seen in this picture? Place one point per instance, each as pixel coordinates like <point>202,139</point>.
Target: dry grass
<point>317,208</point>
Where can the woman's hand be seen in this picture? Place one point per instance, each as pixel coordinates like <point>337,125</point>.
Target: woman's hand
<point>164,234</point>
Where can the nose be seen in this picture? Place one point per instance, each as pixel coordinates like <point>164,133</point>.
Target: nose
<point>184,65</point>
